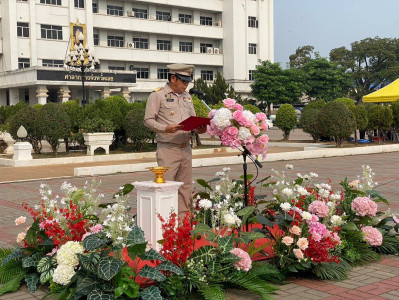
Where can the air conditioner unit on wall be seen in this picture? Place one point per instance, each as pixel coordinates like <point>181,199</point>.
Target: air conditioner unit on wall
<point>209,50</point>
<point>219,23</point>
<point>216,50</point>
<point>130,45</point>
<point>130,13</point>
<point>131,67</point>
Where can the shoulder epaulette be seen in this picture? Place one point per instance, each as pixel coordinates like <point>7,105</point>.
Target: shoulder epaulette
<point>158,89</point>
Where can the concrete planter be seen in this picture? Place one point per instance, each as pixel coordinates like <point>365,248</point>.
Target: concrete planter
<point>98,140</point>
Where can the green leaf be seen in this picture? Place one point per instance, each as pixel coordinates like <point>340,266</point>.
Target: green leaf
<point>48,242</point>
<point>152,255</point>
<point>94,241</point>
<point>44,264</point>
<point>204,184</point>
<point>108,267</point>
<point>375,194</point>
<point>245,212</point>
<point>31,281</point>
<point>350,226</point>
<point>105,205</point>
<point>16,253</point>
<point>249,177</point>
<point>205,253</point>
<point>264,179</point>
<point>87,284</point>
<point>127,188</point>
<point>89,262</point>
<point>201,229</point>
<point>152,273</point>
<point>151,293</point>
<point>171,267</point>
<point>31,261</point>
<point>226,243</point>
<point>12,285</point>
<point>135,236</point>
<point>99,295</point>
<point>136,250</point>
<point>46,275</point>
<point>212,292</point>
<point>264,221</point>
<point>291,268</point>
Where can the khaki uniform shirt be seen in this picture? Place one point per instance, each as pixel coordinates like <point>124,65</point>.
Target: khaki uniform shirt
<point>164,107</point>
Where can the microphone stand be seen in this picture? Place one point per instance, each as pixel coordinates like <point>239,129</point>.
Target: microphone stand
<point>246,153</point>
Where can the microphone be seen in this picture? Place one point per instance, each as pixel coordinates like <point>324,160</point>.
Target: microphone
<point>195,92</point>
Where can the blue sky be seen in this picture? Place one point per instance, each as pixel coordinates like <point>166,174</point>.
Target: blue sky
<point>329,24</point>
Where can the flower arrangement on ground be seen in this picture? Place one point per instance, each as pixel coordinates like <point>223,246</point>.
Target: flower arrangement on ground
<point>237,127</point>
<point>325,232</point>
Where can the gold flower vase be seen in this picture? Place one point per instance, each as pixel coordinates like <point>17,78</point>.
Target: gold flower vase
<point>159,173</point>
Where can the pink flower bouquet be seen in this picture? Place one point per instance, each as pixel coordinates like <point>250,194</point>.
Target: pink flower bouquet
<point>237,127</point>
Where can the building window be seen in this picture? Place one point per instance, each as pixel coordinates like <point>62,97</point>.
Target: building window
<point>206,21</point>
<point>204,46</point>
<point>185,47</point>
<point>164,45</point>
<point>23,63</point>
<point>162,73</point>
<point>114,10</point>
<point>251,75</point>
<point>116,68</point>
<point>252,22</point>
<point>51,32</point>
<point>142,73</point>
<point>23,29</point>
<point>115,41</point>
<point>140,13</point>
<point>163,16</point>
<point>95,7</point>
<point>140,43</point>
<point>251,48</point>
<point>80,3</point>
<point>96,39</point>
<point>52,63</point>
<point>22,0</point>
<point>183,18</point>
<point>53,2</point>
<point>207,75</point>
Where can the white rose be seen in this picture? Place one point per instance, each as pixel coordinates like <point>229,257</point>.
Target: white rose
<point>205,203</point>
<point>301,190</point>
<point>229,219</point>
<point>336,220</point>
<point>306,215</point>
<point>285,206</point>
<point>287,191</point>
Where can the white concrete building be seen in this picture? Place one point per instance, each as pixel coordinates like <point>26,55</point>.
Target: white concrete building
<point>228,36</point>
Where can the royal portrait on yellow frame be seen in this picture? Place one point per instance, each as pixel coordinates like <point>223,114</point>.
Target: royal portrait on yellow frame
<point>76,30</point>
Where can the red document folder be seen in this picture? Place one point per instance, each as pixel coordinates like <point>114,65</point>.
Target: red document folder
<point>194,122</point>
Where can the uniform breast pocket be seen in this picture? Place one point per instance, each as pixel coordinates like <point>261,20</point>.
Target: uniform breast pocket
<point>170,105</point>
<point>189,106</point>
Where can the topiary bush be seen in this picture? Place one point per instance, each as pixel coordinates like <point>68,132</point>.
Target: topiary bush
<point>252,108</point>
<point>337,121</point>
<point>309,123</point>
<point>315,104</point>
<point>97,124</point>
<point>351,104</point>
<point>380,118</point>
<point>76,117</point>
<point>35,127</point>
<point>135,129</point>
<point>286,119</point>
<point>57,124</point>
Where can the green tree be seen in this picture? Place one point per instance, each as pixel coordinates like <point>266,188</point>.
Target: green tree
<point>302,56</point>
<point>274,85</point>
<point>395,115</point>
<point>315,104</point>
<point>337,121</point>
<point>76,116</point>
<point>135,129</point>
<point>371,63</point>
<point>380,119</point>
<point>325,80</point>
<point>286,119</point>
<point>309,123</point>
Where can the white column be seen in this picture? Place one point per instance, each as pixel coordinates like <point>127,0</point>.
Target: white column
<point>105,92</point>
<point>126,94</point>
<point>65,93</point>
<point>41,94</point>
<point>153,199</point>
<point>14,96</point>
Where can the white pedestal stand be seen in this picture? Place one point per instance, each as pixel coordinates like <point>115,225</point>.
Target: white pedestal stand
<point>153,199</point>
<point>22,151</point>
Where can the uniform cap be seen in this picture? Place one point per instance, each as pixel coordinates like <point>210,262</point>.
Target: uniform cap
<point>182,71</point>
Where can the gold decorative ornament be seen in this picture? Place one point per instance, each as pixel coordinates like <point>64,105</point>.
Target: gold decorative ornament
<point>172,113</point>
<point>159,173</point>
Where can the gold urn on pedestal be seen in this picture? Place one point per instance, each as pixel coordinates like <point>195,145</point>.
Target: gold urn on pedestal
<point>159,173</point>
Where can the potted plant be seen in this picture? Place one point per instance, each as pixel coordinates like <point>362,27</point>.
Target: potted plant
<point>98,133</point>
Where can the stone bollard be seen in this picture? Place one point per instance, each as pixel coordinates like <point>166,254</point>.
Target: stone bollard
<point>22,151</point>
<point>153,199</point>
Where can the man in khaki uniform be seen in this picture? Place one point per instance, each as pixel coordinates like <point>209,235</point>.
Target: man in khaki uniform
<point>166,107</point>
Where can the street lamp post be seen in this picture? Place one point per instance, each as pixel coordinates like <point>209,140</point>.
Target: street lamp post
<point>80,59</point>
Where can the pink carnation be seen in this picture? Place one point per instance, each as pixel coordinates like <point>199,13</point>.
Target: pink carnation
<point>298,253</point>
<point>364,206</point>
<point>20,220</point>
<point>295,230</point>
<point>318,230</point>
<point>264,139</point>
<point>212,113</point>
<point>287,240</point>
<point>396,219</point>
<point>238,107</point>
<point>319,208</point>
<point>302,243</point>
<point>245,263</point>
<point>239,117</point>
<point>231,130</point>
<point>229,103</point>
<point>264,126</point>
<point>260,117</point>
<point>255,129</point>
<point>373,236</point>
<point>96,229</point>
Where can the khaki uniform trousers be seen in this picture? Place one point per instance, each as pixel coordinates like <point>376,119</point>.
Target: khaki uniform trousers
<point>179,159</point>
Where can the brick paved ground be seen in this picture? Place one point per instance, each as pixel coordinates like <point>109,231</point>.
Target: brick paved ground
<point>379,280</point>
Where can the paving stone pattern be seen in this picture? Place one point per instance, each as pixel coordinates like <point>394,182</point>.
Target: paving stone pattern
<point>379,280</point>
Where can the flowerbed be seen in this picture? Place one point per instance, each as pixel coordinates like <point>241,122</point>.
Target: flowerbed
<point>83,249</point>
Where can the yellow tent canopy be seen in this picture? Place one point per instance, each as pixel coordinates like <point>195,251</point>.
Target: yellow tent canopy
<point>388,93</point>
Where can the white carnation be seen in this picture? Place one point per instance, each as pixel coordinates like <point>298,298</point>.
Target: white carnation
<point>324,193</point>
<point>249,116</point>
<point>313,174</point>
<point>289,167</point>
<point>285,206</point>
<point>336,220</point>
<point>222,118</point>
<point>66,255</point>
<point>229,219</point>
<point>306,215</point>
<point>335,197</point>
<point>205,203</point>
<point>325,186</point>
<point>301,190</point>
<point>63,274</point>
<point>244,133</point>
<point>287,191</point>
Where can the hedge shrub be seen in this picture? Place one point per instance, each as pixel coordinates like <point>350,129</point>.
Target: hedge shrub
<point>252,108</point>
<point>35,127</point>
<point>286,119</point>
<point>315,104</point>
<point>337,121</point>
<point>200,108</point>
<point>57,124</point>
<point>380,118</point>
<point>395,114</point>
<point>135,129</point>
<point>309,123</point>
